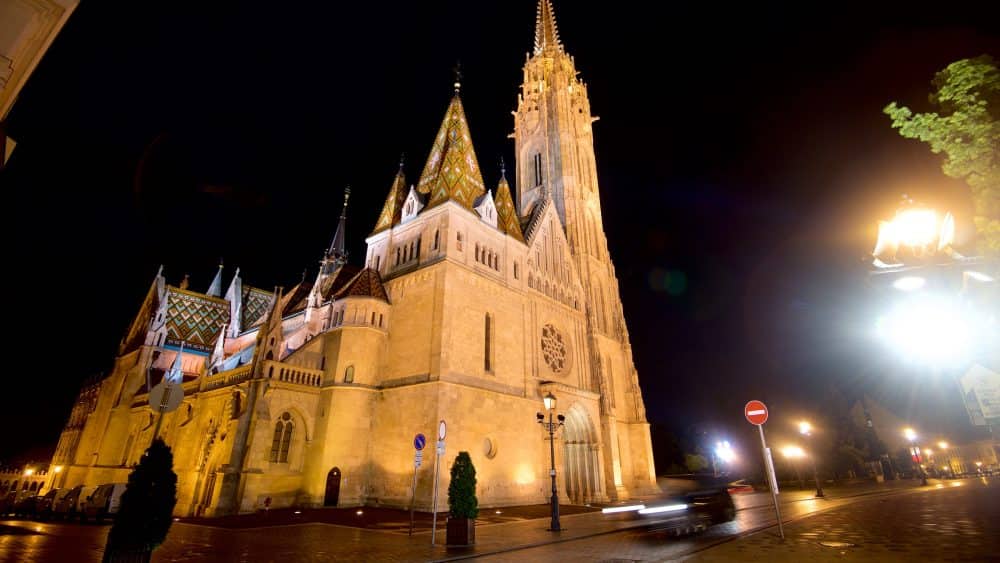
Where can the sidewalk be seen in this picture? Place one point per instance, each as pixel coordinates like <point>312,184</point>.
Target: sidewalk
<point>955,520</point>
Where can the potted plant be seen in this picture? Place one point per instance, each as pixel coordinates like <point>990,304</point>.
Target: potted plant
<point>463,506</point>
<point>146,510</point>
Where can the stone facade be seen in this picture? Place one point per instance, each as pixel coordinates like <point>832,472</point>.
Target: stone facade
<point>468,309</point>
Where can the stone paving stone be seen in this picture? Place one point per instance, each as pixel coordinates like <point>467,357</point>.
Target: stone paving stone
<point>951,521</point>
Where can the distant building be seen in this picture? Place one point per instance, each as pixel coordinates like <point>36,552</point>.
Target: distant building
<point>468,308</point>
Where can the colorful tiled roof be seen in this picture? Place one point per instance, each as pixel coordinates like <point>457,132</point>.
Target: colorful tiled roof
<point>507,220</point>
<point>366,284</point>
<point>393,208</point>
<point>255,304</point>
<point>452,171</point>
<point>194,319</point>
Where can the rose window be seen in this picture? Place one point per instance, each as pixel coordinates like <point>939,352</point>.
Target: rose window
<point>553,348</point>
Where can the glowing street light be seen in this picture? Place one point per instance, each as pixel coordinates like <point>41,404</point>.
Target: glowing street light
<point>725,452</point>
<point>806,430</point>
<point>910,434</point>
<point>943,445</point>
<point>58,469</point>
<point>29,472</point>
<point>793,452</point>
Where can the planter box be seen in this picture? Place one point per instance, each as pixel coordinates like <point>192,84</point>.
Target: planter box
<point>461,531</point>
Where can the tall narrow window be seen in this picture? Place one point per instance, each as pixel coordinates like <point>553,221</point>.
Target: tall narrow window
<point>373,318</point>
<point>515,270</point>
<point>458,241</point>
<point>378,262</point>
<point>488,344</point>
<point>437,239</point>
<point>538,169</point>
<point>282,439</point>
<point>477,253</point>
<point>349,374</point>
<point>399,253</point>
<point>418,247</point>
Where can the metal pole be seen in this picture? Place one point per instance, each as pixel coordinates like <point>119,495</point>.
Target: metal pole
<point>160,409</point>
<point>437,462</point>
<point>819,488</point>
<point>413,494</point>
<point>554,526</point>
<point>774,479</point>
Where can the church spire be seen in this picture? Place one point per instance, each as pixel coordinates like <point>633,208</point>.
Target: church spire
<point>392,210</point>
<point>337,252</point>
<point>215,289</point>
<point>452,171</point>
<point>546,32</point>
<point>506,212</point>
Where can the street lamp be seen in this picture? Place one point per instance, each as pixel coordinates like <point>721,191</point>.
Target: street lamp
<point>724,453</point>
<point>911,435</point>
<point>793,453</point>
<point>29,472</point>
<point>947,459</point>
<point>806,430</point>
<point>550,405</point>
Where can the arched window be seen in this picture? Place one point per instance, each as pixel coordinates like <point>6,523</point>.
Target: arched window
<point>477,253</point>
<point>349,374</point>
<point>33,487</point>
<point>282,439</point>
<point>515,270</point>
<point>458,239</point>
<point>437,239</point>
<point>373,318</point>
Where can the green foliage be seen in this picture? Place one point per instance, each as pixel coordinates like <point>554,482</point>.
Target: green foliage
<point>967,131</point>
<point>462,501</point>
<point>147,504</point>
<point>695,462</point>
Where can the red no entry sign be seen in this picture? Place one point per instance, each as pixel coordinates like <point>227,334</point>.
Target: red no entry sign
<point>756,412</point>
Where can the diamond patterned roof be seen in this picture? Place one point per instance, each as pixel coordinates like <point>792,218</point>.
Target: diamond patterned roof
<point>194,319</point>
<point>366,284</point>
<point>507,220</point>
<point>255,305</point>
<point>452,171</point>
<point>392,210</point>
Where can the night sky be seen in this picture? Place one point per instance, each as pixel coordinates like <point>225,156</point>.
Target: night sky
<point>742,153</point>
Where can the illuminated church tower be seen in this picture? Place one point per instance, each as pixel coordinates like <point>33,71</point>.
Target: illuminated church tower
<point>465,308</point>
<point>554,145</point>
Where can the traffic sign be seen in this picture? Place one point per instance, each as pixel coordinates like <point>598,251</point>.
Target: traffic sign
<point>165,397</point>
<point>418,442</point>
<point>442,430</point>
<point>440,447</point>
<point>756,412</point>
<point>418,458</point>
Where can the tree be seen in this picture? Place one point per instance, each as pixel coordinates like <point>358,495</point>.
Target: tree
<point>147,507</point>
<point>462,501</point>
<point>967,131</point>
<point>695,462</point>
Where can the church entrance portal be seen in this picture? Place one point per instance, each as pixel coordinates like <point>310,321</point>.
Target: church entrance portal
<point>580,460</point>
<point>332,487</point>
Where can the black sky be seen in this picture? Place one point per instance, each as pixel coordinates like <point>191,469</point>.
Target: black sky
<point>742,154</point>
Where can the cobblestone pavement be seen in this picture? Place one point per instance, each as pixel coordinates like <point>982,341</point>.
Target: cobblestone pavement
<point>588,537</point>
<point>954,521</point>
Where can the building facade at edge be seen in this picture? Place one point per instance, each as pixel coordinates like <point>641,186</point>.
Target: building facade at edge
<point>469,306</point>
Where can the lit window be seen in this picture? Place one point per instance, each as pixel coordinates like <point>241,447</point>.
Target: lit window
<point>282,439</point>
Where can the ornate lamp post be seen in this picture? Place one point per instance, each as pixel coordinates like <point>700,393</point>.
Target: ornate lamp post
<point>806,430</point>
<point>550,405</point>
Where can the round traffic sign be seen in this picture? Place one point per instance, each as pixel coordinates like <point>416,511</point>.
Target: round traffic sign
<point>442,430</point>
<point>418,442</point>
<point>756,412</point>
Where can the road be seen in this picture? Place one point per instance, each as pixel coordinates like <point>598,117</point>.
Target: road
<point>588,537</point>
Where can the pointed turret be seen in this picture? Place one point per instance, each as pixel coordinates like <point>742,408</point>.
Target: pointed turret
<point>219,352</point>
<point>546,32</point>
<point>215,289</point>
<point>452,171</point>
<point>337,253</point>
<point>235,297</point>
<point>271,336</point>
<point>507,220</point>
<point>175,374</point>
<point>393,208</point>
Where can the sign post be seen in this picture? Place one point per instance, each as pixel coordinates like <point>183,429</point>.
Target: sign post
<point>442,431</point>
<point>756,413</point>
<point>418,444</point>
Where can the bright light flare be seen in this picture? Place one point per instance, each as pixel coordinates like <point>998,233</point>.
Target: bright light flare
<point>616,509</point>
<point>805,428</point>
<point>29,472</point>
<point>910,434</point>
<point>979,276</point>
<point>58,469</point>
<point>915,227</point>
<point>725,452</point>
<point>943,445</point>
<point>665,508</point>
<point>929,451</point>
<point>927,329</point>
<point>793,452</point>
<point>909,283</point>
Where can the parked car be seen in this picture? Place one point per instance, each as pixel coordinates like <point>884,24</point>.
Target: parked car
<point>104,501</point>
<point>65,505</point>
<point>27,506</point>
<point>78,511</point>
<point>7,502</point>
<point>44,507</point>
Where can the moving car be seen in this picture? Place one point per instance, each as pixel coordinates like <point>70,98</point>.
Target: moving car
<point>691,509</point>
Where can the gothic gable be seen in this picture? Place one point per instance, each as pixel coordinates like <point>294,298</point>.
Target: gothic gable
<point>551,268</point>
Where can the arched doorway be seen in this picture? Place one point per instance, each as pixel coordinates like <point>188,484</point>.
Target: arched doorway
<point>580,459</point>
<point>332,487</point>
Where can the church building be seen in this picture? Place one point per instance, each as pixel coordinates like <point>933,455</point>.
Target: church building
<point>470,305</point>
